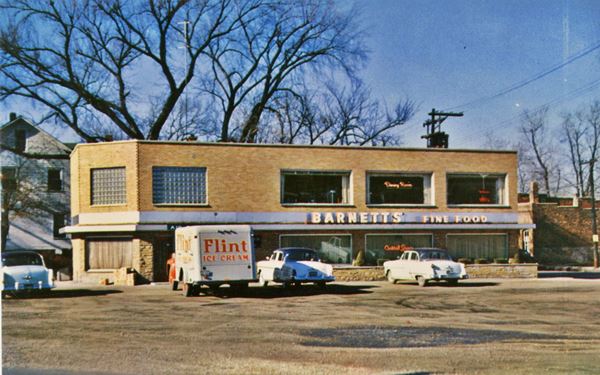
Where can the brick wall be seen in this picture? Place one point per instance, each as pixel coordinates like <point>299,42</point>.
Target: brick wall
<point>247,178</point>
<point>563,234</point>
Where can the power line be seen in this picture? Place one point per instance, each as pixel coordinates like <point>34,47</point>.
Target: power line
<point>522,83</point>
<point>569,96</point>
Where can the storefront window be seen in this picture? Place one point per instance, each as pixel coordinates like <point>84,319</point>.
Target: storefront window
<point>474,246</point>
<point>382,247</point>
<point>178,185</point>
<point>396,188</point>
<point>476,189</point>
<point>335,249</point>
<point>108,254</point>
<point>315,187</point>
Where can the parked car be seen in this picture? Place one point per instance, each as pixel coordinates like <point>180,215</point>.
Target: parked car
<point>424,265</point>
<point>294,265</point>
<point>25,271</point>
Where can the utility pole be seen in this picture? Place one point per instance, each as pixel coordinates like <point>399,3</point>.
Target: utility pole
<point>435,137</point>
<point>592,164</point>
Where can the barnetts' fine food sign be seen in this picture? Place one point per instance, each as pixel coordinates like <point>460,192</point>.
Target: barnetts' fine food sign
<point>395,218</point>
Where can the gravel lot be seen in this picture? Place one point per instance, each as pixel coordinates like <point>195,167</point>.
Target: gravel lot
<point>549,326</point>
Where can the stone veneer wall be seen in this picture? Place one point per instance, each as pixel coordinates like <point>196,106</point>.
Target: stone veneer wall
<point>475,271</point>
<point>503,271</point>
<point>144,264</point>
<point>358,273</point>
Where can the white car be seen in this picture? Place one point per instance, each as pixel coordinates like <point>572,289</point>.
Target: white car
<point>25,271</point>
<point>294,265</point>
<point>424,265</point>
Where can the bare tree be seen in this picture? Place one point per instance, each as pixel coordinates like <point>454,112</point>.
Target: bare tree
<point>582,132</point>
<point>574,130</point>
<point>524,160</point>
<point>338,116</point>
<point>545,166</point>
<point>272,52</point>
<point>84,56</point>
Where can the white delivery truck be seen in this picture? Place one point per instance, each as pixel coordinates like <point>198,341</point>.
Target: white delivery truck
<point>214,255</point>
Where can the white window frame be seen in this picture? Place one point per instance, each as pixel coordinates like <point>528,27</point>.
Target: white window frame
<point>62,179</point>
<point>343,173</point>
<point>428,197</point>
<point>503,195</point>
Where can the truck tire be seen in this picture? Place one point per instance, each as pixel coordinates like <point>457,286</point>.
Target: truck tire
<point>174,284</point>
<point>188,289</point>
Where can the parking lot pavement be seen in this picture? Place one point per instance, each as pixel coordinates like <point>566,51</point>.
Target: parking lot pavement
<point>481,326</point>
<point>569,274</point>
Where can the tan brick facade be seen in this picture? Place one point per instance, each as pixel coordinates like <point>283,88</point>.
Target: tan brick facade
<point>243,178</point>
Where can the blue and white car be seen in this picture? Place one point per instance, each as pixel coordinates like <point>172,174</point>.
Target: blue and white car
<point>294,265</point>
<point>25,271</point>
<point>424,265</point>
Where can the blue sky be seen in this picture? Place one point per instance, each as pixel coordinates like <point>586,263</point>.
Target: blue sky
<point>446,53</point>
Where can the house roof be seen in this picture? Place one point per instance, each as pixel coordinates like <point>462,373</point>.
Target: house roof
<point>51,138</point>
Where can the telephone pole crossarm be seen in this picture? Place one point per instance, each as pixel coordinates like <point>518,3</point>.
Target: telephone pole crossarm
<point>435,137</point>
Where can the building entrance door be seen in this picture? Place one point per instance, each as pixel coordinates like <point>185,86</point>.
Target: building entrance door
<point>162,252</point>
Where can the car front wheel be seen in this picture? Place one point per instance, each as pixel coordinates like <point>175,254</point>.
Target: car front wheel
<point>389,277</point>
<point>264,283</point>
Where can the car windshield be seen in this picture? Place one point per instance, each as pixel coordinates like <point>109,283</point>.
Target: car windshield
<point>434,254</point>
<point>21,259</point>
<point>300,254</point>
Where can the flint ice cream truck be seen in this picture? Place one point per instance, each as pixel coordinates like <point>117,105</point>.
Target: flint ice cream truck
<point>213,255</point>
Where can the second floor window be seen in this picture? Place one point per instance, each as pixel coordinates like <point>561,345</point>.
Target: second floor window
<point>59,221</point>
<point>315,187</point>
<point>476,189</point>
<point>108,186</point>
<point>178,185</point>
<point>399,188</point>
<point>55,180</point>
<point>20,140</point>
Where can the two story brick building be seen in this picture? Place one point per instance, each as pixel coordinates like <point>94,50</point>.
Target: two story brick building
<point>129,196</point>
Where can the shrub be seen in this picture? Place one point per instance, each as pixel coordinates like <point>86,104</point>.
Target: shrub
<point>501,260</point>
<point>481,261</point>
<point>360,259</point>
<point>465,260</point>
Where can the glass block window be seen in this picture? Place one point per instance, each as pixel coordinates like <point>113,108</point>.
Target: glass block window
<point>108,186</point>
<point>178,185</point>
